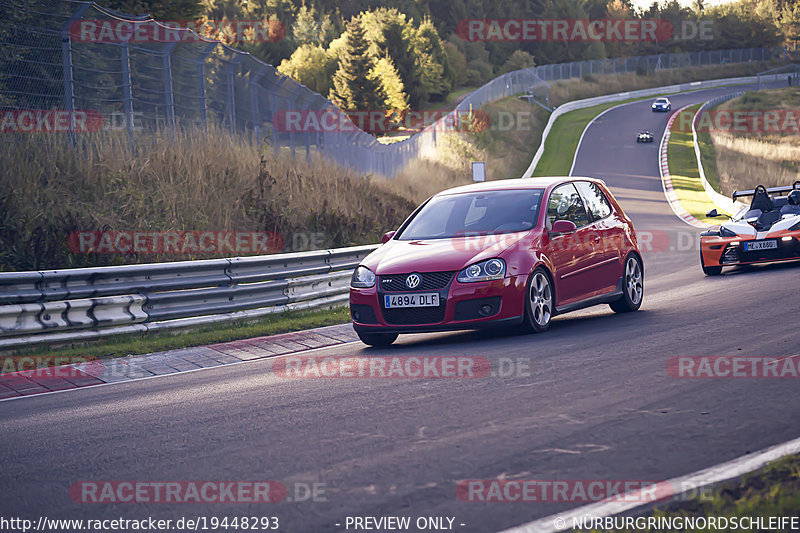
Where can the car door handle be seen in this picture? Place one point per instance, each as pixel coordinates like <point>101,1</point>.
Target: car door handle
<point>596,238</point>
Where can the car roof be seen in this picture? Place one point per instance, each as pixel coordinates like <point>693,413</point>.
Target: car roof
<point>516,183</point>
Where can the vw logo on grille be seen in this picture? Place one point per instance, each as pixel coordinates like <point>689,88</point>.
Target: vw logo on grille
<point>413,281</point>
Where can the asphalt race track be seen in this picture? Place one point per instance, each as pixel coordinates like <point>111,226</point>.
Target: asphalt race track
<point>596,403</point>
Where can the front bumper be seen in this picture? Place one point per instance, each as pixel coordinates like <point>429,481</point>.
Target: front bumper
<point>461,307</point>
<point>718,251</point>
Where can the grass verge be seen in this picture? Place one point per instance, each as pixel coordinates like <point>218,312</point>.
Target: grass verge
<point>753,154</point>
<point>562,141</point>
<point>683,169</point>
<point>773,491</point>
<point>708,156</point>
<point>184,338</point>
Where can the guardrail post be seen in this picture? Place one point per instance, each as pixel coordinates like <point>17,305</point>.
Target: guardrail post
<point>66,58</point>
<point>127,92</point>
<point>169,101</point>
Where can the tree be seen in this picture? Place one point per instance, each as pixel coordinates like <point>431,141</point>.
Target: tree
<point>158,9</point>
<point>355,87</point>
<point>312,28</point>
<point>312,66</point>
<point>520,59</point>
<point>790,25</point>
<point>392,85</point>
<point>457,75</point>
<point>430,62</point>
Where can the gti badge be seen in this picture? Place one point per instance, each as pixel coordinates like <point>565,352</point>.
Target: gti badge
<point>412,281</point>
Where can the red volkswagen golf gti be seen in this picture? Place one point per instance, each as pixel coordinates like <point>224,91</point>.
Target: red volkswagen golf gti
<point>501,253</point>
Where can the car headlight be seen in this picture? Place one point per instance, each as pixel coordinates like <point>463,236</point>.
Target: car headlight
<point>483,271</point>
<point>725,232</point>
<point>363,278</point>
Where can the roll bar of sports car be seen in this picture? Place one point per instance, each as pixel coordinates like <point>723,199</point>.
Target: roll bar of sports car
<point>785,188</point>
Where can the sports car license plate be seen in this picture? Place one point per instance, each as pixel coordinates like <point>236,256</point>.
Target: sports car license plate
<point>760,245</point>
<point>428,299</point>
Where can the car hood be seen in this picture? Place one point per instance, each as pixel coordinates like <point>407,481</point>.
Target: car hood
<point>434,255</point>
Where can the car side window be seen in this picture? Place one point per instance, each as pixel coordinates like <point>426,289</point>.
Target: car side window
<point>596,201</point>
<point>565,204</point>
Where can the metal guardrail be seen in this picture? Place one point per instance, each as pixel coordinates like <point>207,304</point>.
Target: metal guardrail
<point>722,202</point>
<point>597,100</point>
<point>81,303</point>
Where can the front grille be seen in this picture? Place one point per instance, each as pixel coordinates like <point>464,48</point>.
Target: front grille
<point>785,250</point>
<point>414,315</point>
<point>431,281</point>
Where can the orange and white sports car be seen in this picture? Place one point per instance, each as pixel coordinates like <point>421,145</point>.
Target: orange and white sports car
<point>766,231</point>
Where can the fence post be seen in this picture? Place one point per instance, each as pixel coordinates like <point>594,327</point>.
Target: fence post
<point>231,96</point>
<point>201,83</point>
<point>291,106</point>
<point>255,77</point>
<point>127,92</point>
<point>169,100</point>
<point>66,58</point>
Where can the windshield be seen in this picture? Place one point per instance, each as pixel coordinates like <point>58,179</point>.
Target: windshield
<point>478,213</point>
<point>661,101</point>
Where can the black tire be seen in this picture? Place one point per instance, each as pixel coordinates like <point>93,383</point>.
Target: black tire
<point>539,301</point>
<point>632,286</point>
<point>377,339</point>
<point>709,270</point>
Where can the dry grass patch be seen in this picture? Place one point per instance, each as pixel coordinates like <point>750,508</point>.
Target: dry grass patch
<point>752,158</point>
<point>205,181</point>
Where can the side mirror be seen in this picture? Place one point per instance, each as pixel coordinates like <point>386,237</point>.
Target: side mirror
<point>713,213</point>
<point>387,236</point>
<point>564,226</point>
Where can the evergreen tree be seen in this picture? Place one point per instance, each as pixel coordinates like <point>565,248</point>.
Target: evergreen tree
<point>159,10</point>
<point>392,84</point>
<point>355,87</point>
